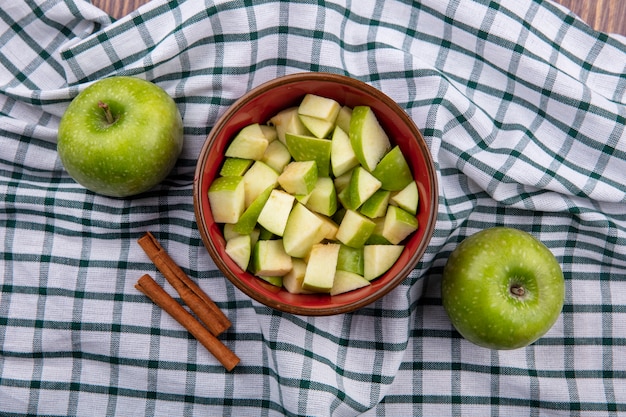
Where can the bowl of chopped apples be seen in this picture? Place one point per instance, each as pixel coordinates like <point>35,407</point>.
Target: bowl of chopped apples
<point>315,194</point>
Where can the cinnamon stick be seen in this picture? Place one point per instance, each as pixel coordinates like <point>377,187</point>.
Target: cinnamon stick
<point>153,290</point>
<point>197,300</point>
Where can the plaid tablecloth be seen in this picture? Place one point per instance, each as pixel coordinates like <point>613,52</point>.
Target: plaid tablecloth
<point>522,106</point>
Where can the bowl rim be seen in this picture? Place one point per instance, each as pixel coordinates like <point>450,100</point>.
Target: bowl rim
<point>299,77</point>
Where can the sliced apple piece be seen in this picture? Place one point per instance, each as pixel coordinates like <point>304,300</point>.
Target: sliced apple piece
<point>343,118</point>
<point>377,238</point>
<point>274,280</point>
<point>368,139</point>
<point>257,179</point>
<point>235,167</point>
<point>277,156</point>
<point>362,186</point>
<point>275,212</point>
<point>354,229</point>
<point>350,259</point>
<point>319,127</point>
<point>240,249</point>
<point>376,205</point>
<point>288,121</point>
<point>292,281</point>
<point>319,107</point>
<point>299,177</point>
<point>323,197</point>
<point>399,223</point>
<point>345,281</point>
<point>248,220</point>
<point>303,230</point>
<point>269,259</point>
<point>407,198</point>
<point>342,156</point>
<point>269,132</point>
<point>249,143</point>
<point>379,258</point>
<point>310,148</point>
<point>393,171</point>
<point>321,267</point>
<point>227,199</point>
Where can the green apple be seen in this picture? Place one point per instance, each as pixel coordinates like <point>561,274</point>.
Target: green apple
<point>350,259</point>
<point>393,171</point>
<point>256,180</point>
<point>376,205</point>
<point>120,136</point>
<point>276,156</point>
<point>502,288</point>
<point>319,107</point>
<point>362,186</point>
<point>368,139</point>
<point>323,198</point>
<point>320,128</point>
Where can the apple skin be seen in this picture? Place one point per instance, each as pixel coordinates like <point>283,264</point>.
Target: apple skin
<point>479,281</point>
<point>132,154</point>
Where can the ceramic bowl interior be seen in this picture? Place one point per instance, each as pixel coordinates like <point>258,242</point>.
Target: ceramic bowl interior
<point>257,106</point>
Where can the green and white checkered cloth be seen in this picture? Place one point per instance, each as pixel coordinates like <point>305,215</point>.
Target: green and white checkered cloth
<point>522,106</point>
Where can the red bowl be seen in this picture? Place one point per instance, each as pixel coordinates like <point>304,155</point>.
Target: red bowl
<point>257,106</point>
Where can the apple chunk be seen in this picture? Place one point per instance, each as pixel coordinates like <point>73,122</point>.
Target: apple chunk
<point>393,171</point>
<point>378,259</point>
<point>269,259</point>
<point>250,143</point>
<point>368,139</point>
<point>304,229</point>
<point>227,199</point>
<point>275,212</point>
<point>321,267</point>
<point>347,281</point>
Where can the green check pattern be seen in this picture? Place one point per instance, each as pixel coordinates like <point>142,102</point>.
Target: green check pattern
<point>522,106</point>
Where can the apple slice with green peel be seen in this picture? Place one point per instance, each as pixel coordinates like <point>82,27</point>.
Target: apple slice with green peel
<point>323,197</point>
<point>230,233</point>
<point>398,224</point>
<point>343,118</point>
<point>321,267</point>
<point>350,259</point>
<point>269,259</point>
<point>310,148</point>
<point>379,258</point>
<point>345,281</point>
<point>288,120</point>
<point>376,205</point>
<point>248,220</point>
<point>319,127</point>
<point>342,156</point>
<point>276,281</point>
<point>292,281</point>
<point>407,198</point>
<point>377,238</point>
<point>362,186</point>
<point>319,107</point>
<point>275,212</point>
<point>235,167</point>
<point>249,143</point>
<point>269,132</point>
<point>227,199</point>
<point>368,139</point>
<point>393,171</point>
<point>299,177</point>
<point>277,156</point>
<point>354,229</point>
<point>343,181</point>
<point>303,230</point>
<point>257,179</point>
<point>239,248</point>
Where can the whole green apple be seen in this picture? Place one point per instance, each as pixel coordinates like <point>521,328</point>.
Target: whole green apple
<point>120,136</point>
<point>502,288</point>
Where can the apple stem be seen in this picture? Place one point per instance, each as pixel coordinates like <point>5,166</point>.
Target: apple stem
<point>518,290</point>
<point>107,112</point>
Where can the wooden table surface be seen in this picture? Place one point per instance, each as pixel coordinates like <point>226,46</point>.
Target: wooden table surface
<point>604,15</point>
